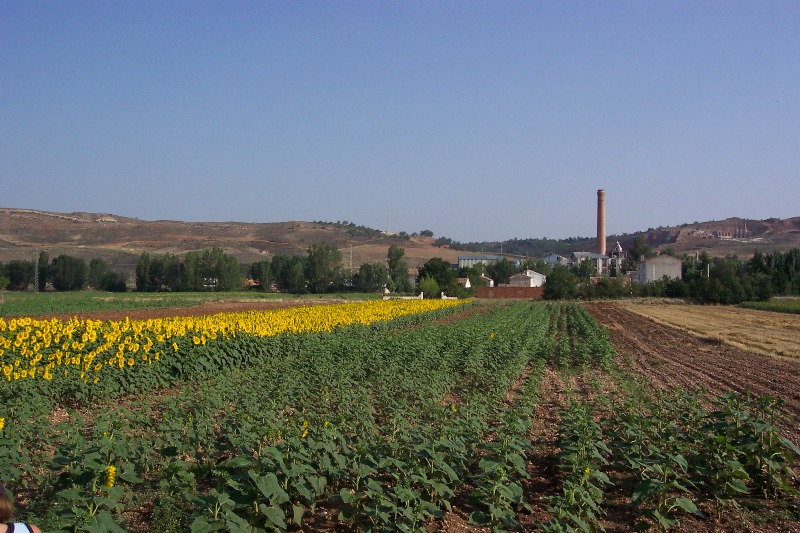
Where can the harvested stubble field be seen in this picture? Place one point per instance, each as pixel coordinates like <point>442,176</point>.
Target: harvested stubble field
<point>763,332</point>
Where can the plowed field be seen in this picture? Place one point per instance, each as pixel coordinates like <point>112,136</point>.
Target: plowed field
<point>671,356</point>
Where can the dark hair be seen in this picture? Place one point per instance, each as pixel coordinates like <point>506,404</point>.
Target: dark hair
<point>6,507</point>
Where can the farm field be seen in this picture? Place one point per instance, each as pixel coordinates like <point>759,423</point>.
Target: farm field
<point>781,305</point>
<point>143,305</point>
<point>670,356</point>
<point>764,332</point>
<point>448,416</point>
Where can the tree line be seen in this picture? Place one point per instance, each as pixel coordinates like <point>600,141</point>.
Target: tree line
<point>723,280</point>
<point>319,271</point>
<point>718,280</point>
<point>63,273</point>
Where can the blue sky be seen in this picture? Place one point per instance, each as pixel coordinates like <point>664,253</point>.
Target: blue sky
<point>478,120</point>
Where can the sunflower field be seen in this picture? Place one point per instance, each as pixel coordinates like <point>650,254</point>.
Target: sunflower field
<point>369,416</point>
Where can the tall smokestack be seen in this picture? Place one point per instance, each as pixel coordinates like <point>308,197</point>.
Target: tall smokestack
<point>601,222</point>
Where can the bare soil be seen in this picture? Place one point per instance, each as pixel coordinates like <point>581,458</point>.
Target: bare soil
<point>671,357</point>
<point>764,332</point>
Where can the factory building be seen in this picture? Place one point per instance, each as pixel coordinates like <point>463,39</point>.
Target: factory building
<point>655,268</point>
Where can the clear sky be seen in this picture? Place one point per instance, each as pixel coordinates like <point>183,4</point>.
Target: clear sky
<point>477,120</point>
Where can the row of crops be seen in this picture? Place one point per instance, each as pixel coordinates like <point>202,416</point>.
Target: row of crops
<point>779,305</point>
<point>385,420</point>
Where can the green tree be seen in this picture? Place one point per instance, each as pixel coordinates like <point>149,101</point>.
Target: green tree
<point>44,270</point>
<point>371,277</point>
<point>585,270</point>
<point>230,278</point>
<point>537,265</point>
<point>20,274</point>
<point>441,271</point>
<point>69,273</point>
<point>640,250</point>
<point>143,273</point>
<point>190,279</point>
<point>560,284</point>
<point>324,269</point>
<point>218,271</point>
<point>261,272</point>
<point>501,270</point>
<point>398,270</point>
<point>113,282</point>
<point>289,273</point>
<point>297,282</point>
<point>98,268</point>
<point>3,277</point>
<point>429,287</point>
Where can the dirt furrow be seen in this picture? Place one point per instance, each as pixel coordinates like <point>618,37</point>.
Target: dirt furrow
<point>670,357</point>
<point>542,460</point>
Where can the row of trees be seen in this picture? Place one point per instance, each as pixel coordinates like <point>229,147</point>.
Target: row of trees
<point>64,273</point>
<point>195,271</point>
<point>214,270</point>
<point>719,280</point>
<point>321,271</point>
<point>725,280</point>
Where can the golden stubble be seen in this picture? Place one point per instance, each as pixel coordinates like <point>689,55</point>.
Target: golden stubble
<point>763,332</point>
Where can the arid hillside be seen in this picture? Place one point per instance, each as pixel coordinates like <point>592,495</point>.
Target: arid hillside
<point>120,240</point>
<point>732,236</point>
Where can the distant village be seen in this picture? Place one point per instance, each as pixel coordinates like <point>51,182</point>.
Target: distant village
<point>605,263</point>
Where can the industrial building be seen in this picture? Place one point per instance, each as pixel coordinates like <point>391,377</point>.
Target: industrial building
<point>655,268</point>
<point>469,261</point>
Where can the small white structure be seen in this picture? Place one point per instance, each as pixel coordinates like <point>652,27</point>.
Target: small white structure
<point>655,268</point>
<point>387,295</point>
<point>489,281</point>
<point>527,278</point>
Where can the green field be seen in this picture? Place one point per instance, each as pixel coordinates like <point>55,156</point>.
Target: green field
<point>778,305</point>
<point>18,304</point>
<point>390,427</point>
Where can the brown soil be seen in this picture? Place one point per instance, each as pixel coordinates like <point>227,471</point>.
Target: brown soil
<point>670,357</point>
<point>764,332</point>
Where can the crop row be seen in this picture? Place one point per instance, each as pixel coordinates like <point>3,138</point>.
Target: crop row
<point>340,416</point>
<point>81,357</point>
<point>385,426</point>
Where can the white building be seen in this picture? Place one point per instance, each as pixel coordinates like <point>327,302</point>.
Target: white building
<point>527,278</point>
<point>468,261</point>
<point>555,259</point>
<point>655,268</point>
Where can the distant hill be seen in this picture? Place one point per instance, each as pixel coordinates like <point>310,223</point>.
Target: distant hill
<point>733,236</point>
<point>121,240</point>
